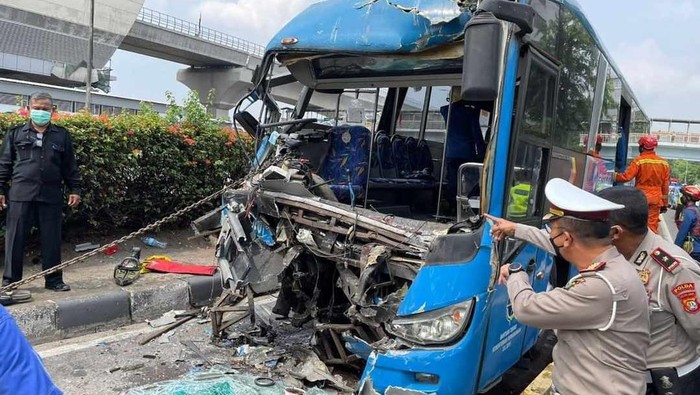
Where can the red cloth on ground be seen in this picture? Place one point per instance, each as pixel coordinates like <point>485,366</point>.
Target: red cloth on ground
<point>163,266</point>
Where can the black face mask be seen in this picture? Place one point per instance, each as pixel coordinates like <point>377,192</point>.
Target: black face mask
<point>556,247</point>
<point>641,149</point>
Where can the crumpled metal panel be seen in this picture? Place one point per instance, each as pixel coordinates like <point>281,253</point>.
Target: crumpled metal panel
<point>374,26</point>
<point>447,285</point>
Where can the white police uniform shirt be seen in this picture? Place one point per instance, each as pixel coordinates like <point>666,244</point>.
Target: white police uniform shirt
<point>597,352</point>
<point>672,279</point>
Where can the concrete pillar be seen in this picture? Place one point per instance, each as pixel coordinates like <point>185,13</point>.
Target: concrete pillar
<point>230,85</point>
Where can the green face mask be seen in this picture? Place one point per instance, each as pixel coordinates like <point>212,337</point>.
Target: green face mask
<point>40,117</point>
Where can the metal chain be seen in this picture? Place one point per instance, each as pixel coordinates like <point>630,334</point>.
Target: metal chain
<point>152,226</point>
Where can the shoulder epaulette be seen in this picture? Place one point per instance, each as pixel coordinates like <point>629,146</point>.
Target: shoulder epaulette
<point>666,260</point>
<point>594,267</point>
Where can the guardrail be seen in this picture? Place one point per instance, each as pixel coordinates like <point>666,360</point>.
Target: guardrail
<point>680,139</point>
<point>174,24</point>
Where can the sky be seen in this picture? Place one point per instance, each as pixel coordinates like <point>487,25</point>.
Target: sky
<point>654,43</point>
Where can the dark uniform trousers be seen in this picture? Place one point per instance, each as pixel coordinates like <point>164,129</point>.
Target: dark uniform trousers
<point>21,217</point>
<point>689,385</point>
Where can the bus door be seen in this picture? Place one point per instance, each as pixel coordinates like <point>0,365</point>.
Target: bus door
<point>528,165</point>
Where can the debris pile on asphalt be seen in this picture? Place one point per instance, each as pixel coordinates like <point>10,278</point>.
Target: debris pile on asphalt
<point>218,381</point>
<point>266,350</point>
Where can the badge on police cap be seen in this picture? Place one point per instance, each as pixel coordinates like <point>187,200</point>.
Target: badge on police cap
<point>568,200</point>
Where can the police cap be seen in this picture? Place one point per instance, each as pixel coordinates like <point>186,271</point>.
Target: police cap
<point>568,200</point>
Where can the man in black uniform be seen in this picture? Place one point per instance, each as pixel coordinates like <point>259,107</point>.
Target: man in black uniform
<point>36,161</point>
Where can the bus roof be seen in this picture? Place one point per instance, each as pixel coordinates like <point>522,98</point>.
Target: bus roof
<point>399,27</point>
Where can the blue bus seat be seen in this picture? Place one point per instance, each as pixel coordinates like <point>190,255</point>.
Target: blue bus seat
<point>424,160</point>
<point>412,152</point>
<point>385,163</point>
<point>400,156</point>
<point>385,160</point>
<point>346,165</point>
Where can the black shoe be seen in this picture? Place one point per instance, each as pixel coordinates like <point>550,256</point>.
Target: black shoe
<point>59,287</point>
<point>11,297</point>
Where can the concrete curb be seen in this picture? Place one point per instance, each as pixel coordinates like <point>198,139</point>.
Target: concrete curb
<point>92,313</point>
<point>542,384</point>
<point>50,320</point>
<point>37,320</point>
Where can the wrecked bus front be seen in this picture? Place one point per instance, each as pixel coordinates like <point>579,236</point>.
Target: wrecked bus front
<point>364,205</point>
<point>441,323</point>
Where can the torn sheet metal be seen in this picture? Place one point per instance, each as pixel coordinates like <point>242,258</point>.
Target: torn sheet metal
<point>379,26</point>
<point>313,370</point>
<point>357,346</point>
<point>321,251</point>
<point>342,272</point>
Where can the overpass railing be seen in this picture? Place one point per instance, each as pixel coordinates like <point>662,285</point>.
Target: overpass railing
<point>168,22</point>
<point>667,138</point>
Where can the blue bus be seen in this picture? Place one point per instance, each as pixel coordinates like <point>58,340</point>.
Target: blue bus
<point>370,226</point>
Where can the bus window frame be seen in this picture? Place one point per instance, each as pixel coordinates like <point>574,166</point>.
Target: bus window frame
<point>530,54</point>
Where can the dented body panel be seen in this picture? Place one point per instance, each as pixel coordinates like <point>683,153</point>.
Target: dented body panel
<point>399,369</point>
<point>373,26</point>
<point>447,284</point>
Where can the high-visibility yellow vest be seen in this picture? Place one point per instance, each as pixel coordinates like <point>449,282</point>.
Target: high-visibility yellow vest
<point>519,200</point>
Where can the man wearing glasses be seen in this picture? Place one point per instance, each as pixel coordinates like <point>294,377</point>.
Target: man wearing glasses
<point>601,316</point>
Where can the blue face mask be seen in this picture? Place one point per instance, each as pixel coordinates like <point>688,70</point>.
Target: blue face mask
<point>40,117</point>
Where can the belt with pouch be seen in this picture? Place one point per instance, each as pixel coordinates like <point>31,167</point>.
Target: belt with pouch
<point>681,370</point>
<point>666,380</point>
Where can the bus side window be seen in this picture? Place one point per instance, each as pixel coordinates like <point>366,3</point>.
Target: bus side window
<point>527,171</point>
<point>534,122</point>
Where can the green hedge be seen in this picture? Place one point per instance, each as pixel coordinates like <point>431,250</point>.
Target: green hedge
<point>139,168</point>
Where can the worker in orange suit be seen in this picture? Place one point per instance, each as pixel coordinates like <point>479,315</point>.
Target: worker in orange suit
<point>652,176</point>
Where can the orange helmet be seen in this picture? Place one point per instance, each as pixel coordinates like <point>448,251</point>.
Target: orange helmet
<point>691,191</point>
<point>648,142</point>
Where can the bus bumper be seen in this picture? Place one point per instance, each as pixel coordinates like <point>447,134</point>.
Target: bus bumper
<point>445,370</point>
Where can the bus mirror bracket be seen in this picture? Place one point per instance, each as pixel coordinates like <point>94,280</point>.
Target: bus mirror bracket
<point>522,15</point>
<point>468,186</point>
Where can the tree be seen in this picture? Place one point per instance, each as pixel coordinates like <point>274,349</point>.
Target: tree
<point>571,43</point>
<point>685,171</point>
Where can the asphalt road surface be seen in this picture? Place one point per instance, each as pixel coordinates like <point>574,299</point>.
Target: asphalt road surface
<point>669,218</point>
<point>113,362</point>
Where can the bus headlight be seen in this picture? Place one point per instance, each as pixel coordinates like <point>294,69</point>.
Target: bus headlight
<point>434,327</point>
